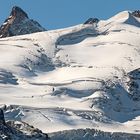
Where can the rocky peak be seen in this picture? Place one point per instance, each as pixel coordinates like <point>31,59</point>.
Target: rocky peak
<point>18,12</point>
<point>18,23</point>
<point>133,84</point>
<point>92,21</point>
<point>136,13</point>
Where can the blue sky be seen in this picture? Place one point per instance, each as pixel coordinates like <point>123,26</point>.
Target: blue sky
<point>53,14</point>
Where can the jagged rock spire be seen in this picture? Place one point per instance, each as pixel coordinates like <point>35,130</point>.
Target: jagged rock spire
<point>18,12</point>
<point>18,23</point>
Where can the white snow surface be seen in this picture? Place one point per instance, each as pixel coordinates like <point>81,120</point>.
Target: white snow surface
<point>73,78</point>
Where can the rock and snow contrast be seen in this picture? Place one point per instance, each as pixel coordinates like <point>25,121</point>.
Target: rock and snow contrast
<point>85,77</point>
<point>14,130</point>
<point>18,23</point>
<point>91,134</point>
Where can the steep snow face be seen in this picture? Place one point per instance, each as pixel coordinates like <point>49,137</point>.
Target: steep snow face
<point>77,77</point>
<point>126,17</point>
<point>18,23</point>
<point>121,17</point>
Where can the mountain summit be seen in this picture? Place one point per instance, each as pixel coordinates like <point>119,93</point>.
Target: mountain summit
<point>18,12</point>
<point>18,23</point>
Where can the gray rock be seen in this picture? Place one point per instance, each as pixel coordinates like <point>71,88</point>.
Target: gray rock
<point>134,84</point>
<point>12,130</point>
<point>92,134</point>
<point>92,21</point>
<point>18,23</point>
<point>136,13</point>
<point>2,120</point>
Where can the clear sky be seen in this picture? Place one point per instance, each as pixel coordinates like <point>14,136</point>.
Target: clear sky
<point>53,14</point>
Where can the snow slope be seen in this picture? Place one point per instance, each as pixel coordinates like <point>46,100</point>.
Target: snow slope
<point>77,77</point>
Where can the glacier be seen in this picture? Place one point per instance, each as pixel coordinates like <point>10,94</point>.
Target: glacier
<point>85,76</point>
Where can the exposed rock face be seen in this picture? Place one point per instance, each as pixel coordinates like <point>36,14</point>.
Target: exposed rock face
<point>18,23</point>
<point>136,13</point>
<point>18,12</point>
<point>2,120</point>
<point>92,134</point>
<point>133,84</point>
<point>14,130</point>
<point>92,21</point>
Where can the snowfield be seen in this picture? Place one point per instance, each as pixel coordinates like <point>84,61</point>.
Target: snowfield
<point>86,76</point>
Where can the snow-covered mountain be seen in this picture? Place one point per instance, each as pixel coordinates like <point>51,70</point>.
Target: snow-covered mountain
<point>18,23</point>
<point>86,76</point>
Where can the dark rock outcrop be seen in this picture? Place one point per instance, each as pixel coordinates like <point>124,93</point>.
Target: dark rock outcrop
<point>136,13</point>
<point>14,130</point>
<point>133,84</point>
<point>18,23</point>
<point>92,134</point>
<point>92,21</point>
<point>2,120</point>
<point>18,12</point>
